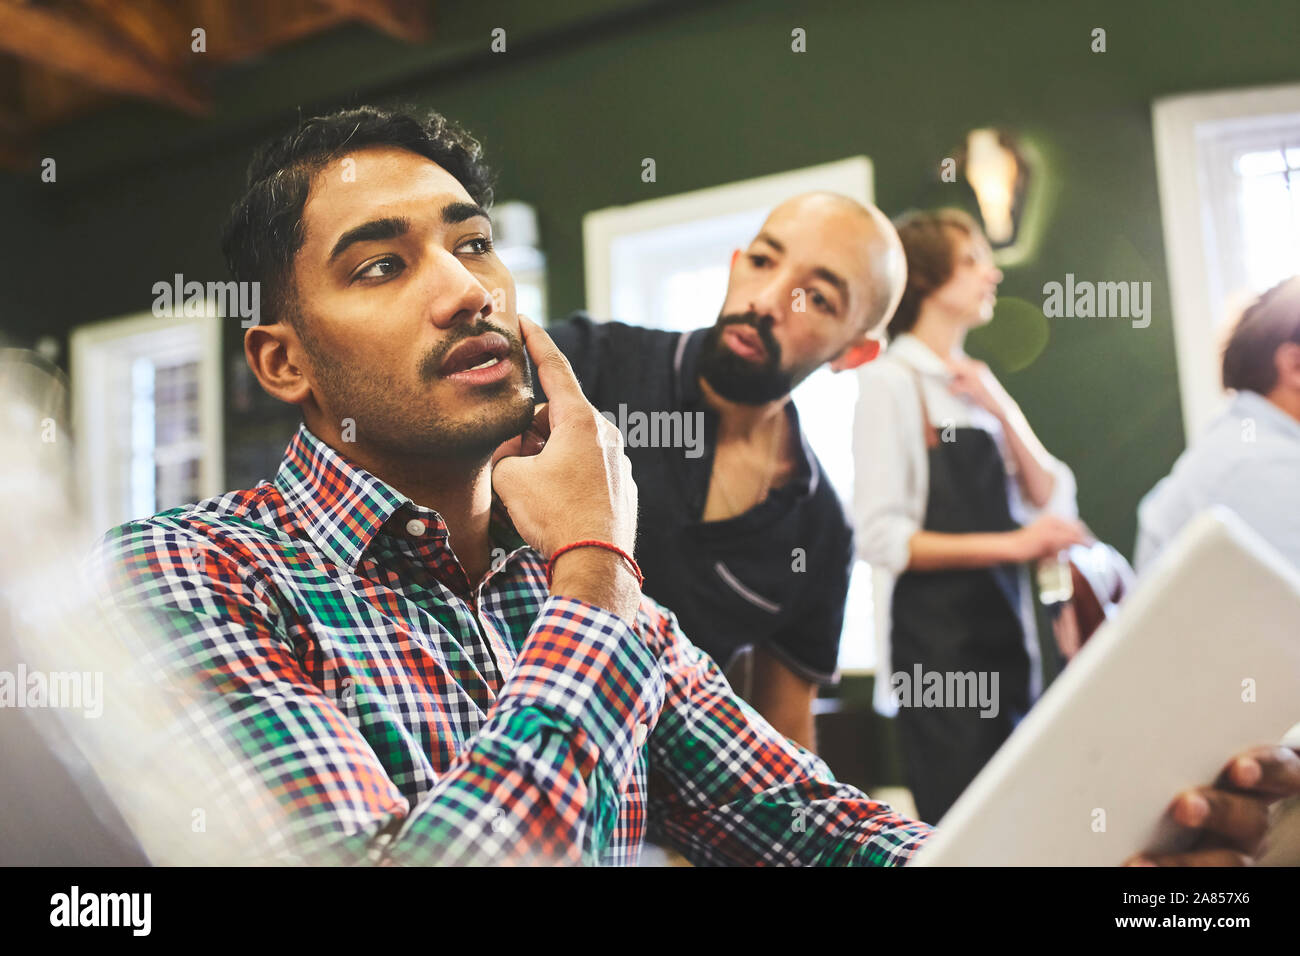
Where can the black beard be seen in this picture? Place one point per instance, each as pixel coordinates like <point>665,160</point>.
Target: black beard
<point>739,379</point>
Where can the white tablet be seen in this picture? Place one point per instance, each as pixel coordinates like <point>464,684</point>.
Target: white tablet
<point>1201,662</point>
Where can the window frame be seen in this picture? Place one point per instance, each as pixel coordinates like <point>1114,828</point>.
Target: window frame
<point>1184,127</point>
<point>92,348</point>
<point>853,176</point>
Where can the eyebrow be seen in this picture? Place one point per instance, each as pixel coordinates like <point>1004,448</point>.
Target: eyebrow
<point>834,278</point>
<point>391,227</point>
<point>458,212</point>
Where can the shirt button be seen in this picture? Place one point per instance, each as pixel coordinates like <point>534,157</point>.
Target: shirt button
<point>642,732</point>
<point>416,527</point>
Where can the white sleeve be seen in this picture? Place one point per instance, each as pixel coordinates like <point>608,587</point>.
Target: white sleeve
<point>888,494</point>
<point>1063,501</point>
<point>1150,534</point>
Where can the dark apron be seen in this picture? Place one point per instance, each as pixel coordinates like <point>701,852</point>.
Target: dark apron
<point>964,620</point>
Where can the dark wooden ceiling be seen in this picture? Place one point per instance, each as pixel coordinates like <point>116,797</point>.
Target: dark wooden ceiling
<point>60,59</point>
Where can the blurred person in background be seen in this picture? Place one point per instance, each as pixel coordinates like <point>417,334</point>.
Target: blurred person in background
<point>954,493</point>
<point>1248,460</point>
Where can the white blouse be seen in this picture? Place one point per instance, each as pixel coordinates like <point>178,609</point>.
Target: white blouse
<point>891,483</point>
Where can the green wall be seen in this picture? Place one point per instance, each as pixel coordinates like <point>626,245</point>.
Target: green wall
<point>714,94</point>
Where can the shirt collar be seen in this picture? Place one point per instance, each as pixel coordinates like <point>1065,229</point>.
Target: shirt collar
<point>686,385</point>
<point>1247,404</point>
<point>917,354</point>
<point>686,358</point>
<point>809,471</point>
<point>339,504</point>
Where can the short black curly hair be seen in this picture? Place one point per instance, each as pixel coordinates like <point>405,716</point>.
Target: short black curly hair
<point>265,227</point>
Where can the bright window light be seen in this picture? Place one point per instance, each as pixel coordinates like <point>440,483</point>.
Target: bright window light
<point>1269,204</point>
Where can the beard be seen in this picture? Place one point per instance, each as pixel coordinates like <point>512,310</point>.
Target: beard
<point>384,419</point>
<point>740,379</point>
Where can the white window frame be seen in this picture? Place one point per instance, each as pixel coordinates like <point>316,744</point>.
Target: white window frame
<point>1178,123</point>
<point>854,177</point>
<point>92,348</point>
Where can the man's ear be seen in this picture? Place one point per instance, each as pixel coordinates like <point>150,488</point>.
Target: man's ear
<point>735,254</point>
<point>1287,362</point>
<point>861,352</point>
<point>273,352</point>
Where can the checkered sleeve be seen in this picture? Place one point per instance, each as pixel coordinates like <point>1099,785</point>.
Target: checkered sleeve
<point>728,789</point>
<point>545,776</point>
<point>540,782</point>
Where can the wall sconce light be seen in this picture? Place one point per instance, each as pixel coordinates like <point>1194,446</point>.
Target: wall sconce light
<point>998,172</point>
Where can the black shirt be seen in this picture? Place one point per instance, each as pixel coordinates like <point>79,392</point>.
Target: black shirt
<point>776,576</point>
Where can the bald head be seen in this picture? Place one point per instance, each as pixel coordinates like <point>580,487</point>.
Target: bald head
<point>823,273</point>
<point>860,237</point>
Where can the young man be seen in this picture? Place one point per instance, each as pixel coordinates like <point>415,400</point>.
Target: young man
<point>1249,458</point>
<point>405,694</point>
<point>740,534</point>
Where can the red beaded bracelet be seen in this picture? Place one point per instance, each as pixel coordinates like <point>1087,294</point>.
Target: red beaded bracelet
<point>593,543</point>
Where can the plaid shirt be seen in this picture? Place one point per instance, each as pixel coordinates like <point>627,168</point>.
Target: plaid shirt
<point>399,713</point>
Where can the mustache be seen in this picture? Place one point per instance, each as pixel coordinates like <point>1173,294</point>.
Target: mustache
<point>432,362</point>
<point>762,324</point>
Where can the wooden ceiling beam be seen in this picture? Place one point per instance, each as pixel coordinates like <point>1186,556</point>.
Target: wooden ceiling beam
<point>92,56</point>
<point>408,20</point>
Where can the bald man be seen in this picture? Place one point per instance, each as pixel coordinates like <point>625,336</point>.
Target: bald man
<point>739,533</point>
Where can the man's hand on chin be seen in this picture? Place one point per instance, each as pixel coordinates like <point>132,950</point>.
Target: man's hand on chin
<point>532,441</point>
<point>1233,814</point>
<point>566,481</point>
